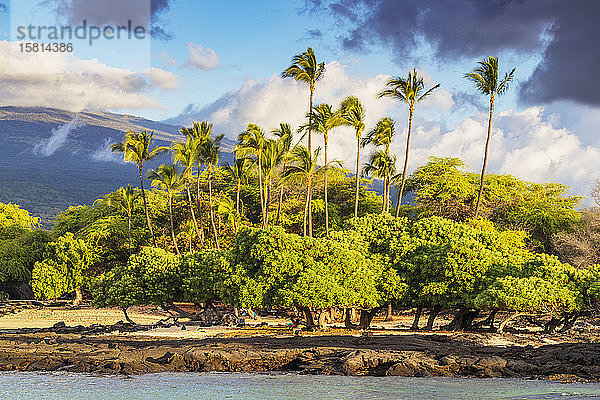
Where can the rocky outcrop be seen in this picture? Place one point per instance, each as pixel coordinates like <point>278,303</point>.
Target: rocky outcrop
<point>394,355</point>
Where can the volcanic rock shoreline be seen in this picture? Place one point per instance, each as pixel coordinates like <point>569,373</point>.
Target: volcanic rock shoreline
<point>419,355</point>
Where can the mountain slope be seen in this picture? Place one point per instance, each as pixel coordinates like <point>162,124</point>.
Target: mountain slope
<point>51,159</point>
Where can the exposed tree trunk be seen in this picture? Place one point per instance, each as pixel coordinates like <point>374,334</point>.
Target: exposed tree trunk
<point>306,209</point>
<point>172,226</point>
<point>348,319</point>
<point>570,319</point>
<point>389,316</point>
<point>260,190</point>
<point>507,320</point>
<point>366,316</point>
<point>410,117</point>
<point>124,309</point>
<point>489,321</point>
<point>199,207</point>
<point>78,297</point>
<point>129,231</point>
<point>487,144</point>
<point>267,201</point>
<point>326,199</point>
<point>357,177</point>
<point>312,91</point>
<point>463,320</point>
<point>193,216</point>
<point>212,214</point>
<point>237,197</point>
<point>280,202</point>
<point>434,313</point>
<point>140,170</point>
<point>415,324</point>
<point>310,321</point>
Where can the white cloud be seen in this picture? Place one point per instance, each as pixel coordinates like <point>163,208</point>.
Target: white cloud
<point>527,144</point>
<point>66,82</point>
<point>202,58</point>
<point>57,138</point>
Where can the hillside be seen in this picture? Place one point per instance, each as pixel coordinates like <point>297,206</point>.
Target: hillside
<point>51,159</point>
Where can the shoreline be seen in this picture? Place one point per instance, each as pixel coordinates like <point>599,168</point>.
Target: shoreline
<point>335,353</point>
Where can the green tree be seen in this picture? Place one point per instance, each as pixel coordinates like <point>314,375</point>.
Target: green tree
<point>169,179</point>
<point>353,114</point>
<point>382,166</point>
<point>11,215</point>
<point>381,136</point>
<point>186,153</point>
<point>124,201</point>
<point>210,154</point>
<point>409,91</point>
<point>284,136</point>
<point>136,148</point>
<point>65,269</point>
<point>485,78</point>
<point>238,172</point>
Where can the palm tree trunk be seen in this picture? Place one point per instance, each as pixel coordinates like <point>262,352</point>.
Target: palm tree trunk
<point>312,92</point>
<point>199,205</point>
<point>357,177</point>
<point>237,197</point>
<point>210,204</point>
<point>306,207</point>
<point>383,201</point>
<point>487,144</point>
<point>412,109</point>
<point>267,201</point>
<point>146,205</point>
<point>187,187</point>
<point>129,231</point>
<point>280,201</point>
<point>172,226</point>
<point>326,197</point>
<point>260,190</point>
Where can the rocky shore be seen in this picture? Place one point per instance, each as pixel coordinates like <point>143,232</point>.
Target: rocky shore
<point>560,357</point>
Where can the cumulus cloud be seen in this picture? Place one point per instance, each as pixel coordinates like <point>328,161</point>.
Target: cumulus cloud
<point>464,28</point>
<point>57,138</point>
<point>202,58</point>
<point>74,84</point>
<point>528,144</point>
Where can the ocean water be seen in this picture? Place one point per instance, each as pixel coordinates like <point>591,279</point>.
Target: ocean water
<point>175,386</point>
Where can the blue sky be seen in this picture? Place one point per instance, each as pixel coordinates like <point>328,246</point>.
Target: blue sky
<point>221,61</point>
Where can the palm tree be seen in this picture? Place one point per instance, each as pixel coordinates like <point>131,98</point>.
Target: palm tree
<point>304,68</point>
<point>285,137</point>
<point>136,149</point>
<point>271,158</point>
<point>382,166</point>
<point>200,131</point>
<point>168,178</point>
<point>239,172</point>
<point>353,114</point>
<point>323,120</point>
<point>410,91</point>
<point>485,77</point>
<point>186,154</point>
<point>379,136</point>
<point>305,168</point>
<point>210,153</point>
<point>124,201</point>
<point>251,143</point>
<point>227,207</point>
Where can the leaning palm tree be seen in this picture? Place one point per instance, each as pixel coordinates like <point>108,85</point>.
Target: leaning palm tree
<point>305,169</point>
<point>353,114</point>
<point>285,137</point>
<point>382,166</point>
<point>381,136</point>
<point>410,91</point>
<point>323,120</point>
<point>239,172</point>
<point>186,154</point>
<point>210,154</point>
<point>485,77</point>
<point>251,143</point>
<point>136,148</point>
<point>124,201</point>
<point>169,179</point>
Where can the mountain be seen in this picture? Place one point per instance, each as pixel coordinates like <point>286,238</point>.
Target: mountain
<point>51,159</point>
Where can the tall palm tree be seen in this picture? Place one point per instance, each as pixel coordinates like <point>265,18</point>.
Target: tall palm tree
<point>410,91</point>
<point>136,148</point>
<point>305,68</point>
<point>252,143</point>
<point>124,201</point>
<point>186,154</point>
<point>239,172</point>
<point>168,178</point>
<point>353,114</point>
<point>227,207</point>
<point>285,137</point>
<point>381,136</point>
<point>323,120</point>
<point>305,169</point>
<point>210,154</point>
<point>271,158</point>
<point>382,166</point>
<point>485,77</point>
<point>200,132</point>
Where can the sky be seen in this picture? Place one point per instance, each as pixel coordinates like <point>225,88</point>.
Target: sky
<point>222,61</point>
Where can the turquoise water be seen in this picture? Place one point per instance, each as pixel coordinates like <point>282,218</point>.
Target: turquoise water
<point>55,386</point>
